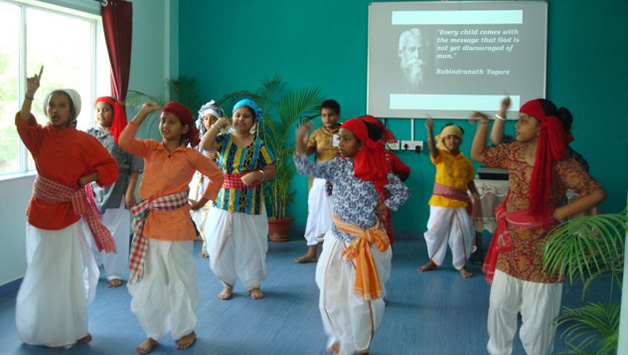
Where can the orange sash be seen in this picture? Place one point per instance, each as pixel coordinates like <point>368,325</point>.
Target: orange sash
<point>367,284</point>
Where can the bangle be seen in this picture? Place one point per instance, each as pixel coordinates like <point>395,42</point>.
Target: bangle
<point>29,97</point>
<point>263,175</point>
<point>499,117</point>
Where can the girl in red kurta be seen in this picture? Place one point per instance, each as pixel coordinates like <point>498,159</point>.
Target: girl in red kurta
<point>539,176</point>
<point>51,306</point>
<point>162,276</point>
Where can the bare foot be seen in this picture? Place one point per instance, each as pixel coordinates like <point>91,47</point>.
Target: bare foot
<point>334,349</point>
<point>114,283</point>
<point>204,254</point>
<point>465,273</point>
<point>186,341</point>
<point>429,266</point>
<point>146,346</point>
<point>86,339</point>
<point>305,258</point>
<point>257,294</point>
<point>226,293</point>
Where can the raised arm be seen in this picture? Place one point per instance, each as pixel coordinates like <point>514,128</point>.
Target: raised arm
<point>429,126</point>
<point>127,139</point>
<point>32,84</point>
<point>208,141</point>
<point>478,148</point>
<point>497,133</point>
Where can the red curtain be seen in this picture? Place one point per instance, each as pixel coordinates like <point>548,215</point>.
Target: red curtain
<point>117,19</point>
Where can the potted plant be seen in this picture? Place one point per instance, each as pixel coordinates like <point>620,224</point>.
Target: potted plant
<point>586,249</point>
<point>283,108</point>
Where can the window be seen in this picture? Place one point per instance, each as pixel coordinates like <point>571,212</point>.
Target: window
<point>71,49</point>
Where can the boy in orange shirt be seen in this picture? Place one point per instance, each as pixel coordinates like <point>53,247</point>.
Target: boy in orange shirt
<point>449,222</point>
<point>162,278</point>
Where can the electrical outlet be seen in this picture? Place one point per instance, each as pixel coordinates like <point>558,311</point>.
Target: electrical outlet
<point>415,146</point>
<point>393,146</point>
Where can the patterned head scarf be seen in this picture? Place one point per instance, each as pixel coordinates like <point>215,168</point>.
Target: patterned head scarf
<point>551,146</point>
<point>119,116</point>
<point>74,97</point>
<point>186,118</point>
<point>369,163</point>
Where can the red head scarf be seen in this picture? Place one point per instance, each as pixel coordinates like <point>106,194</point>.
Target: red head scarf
<point>550,148</point>
<point>119,116</point>
<point>387,135</point>
<point>186,118</point>
<point>369,163</point>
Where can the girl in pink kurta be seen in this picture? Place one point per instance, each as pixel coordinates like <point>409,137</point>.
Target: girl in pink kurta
<point>539,176</point>
<point>162,277</point>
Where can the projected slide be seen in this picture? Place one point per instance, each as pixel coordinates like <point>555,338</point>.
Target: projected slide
<point>447,59</point>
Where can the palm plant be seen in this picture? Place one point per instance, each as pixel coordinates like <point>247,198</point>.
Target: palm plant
<point>283,108</point>
<point>583,250</point>
<point>183,89</point>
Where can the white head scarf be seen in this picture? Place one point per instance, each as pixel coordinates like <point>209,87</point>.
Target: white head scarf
<point>76,102</point>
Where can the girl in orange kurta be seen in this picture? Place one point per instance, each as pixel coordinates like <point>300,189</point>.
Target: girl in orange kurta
<point>162,276</point>
<point>539,176</point>
<point>51,306</point>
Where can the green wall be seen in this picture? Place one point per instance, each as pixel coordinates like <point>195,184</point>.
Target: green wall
<point>230,46</point>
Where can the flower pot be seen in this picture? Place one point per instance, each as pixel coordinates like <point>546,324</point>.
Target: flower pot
<point>278,229</point>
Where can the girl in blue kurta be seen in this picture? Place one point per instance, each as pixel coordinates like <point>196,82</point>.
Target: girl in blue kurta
<point>351,304</point>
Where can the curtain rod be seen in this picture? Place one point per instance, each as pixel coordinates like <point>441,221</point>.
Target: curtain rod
<point>102,2</point>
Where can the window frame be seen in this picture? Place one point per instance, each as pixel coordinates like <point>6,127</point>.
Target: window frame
<point>99,61</point>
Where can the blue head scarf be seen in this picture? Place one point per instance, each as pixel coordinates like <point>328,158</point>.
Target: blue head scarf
<point>252,105</point>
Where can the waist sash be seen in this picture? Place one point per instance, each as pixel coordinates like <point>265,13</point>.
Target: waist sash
<point>367,284</point>
<point>140,210</point>
<point>502,240</point>
<point>51,191</point>
<point>234,181</point>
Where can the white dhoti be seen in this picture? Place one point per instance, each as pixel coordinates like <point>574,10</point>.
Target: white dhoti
<point>237,245</point>
<point>60,281</point>
<point>200,218</point>
<point>449,226</point>
<point>118,221</point>
<point>539,304</point>
<point>166,298</point>
<point>348,319</point>
<point>319,214</point>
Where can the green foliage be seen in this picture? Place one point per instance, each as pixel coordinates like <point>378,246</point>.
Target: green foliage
<point>586,249</point>
<point>283,109</point>
<point>183,90</point>
<point>591,329</point>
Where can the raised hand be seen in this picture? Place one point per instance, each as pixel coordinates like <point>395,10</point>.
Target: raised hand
<point>479,116</point>
<point>429,123</point>
<point>149,107</point>
<point>32,83</point>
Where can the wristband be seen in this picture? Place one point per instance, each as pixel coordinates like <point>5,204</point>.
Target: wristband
<point>497,116</point>
<point>263,175</point>
<point>29,97</point>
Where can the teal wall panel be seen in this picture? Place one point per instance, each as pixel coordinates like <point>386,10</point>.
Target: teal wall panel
<point>231,45</point>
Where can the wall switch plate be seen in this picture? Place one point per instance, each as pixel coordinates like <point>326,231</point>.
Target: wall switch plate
<point>416,146</point>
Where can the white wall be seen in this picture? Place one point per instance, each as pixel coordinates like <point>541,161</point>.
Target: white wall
<point>154,57</point>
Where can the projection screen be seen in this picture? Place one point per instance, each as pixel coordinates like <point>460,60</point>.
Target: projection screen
<point>446,59</point>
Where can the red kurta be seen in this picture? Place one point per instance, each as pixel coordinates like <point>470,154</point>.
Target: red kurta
<point>63,156</point>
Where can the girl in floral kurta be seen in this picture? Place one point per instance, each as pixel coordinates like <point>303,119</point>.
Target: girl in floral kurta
<point>539,176</point>
<point>350,303</point>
